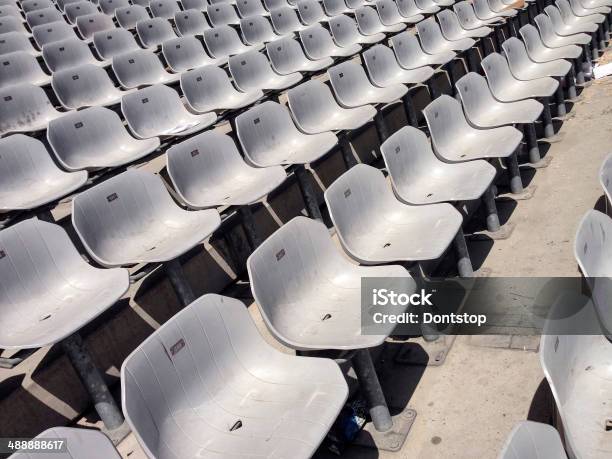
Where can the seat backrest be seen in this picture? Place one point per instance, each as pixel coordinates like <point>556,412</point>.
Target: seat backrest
<point>516,54</point>
<point>256,30</point>
<point>24,107</point>
<point>205,88</point>
<point>334,7</point>
<point>264,128</point>
<point>445,119</point>
<point>190,22</point>
<point>153,32</point>
<point>498,73</point>
<point>137,68</point>
<point>15,41</point>
<point>545,27</point>
<point>66,53</point>
<point>186,363</point>
<point>109,6</point>
<point>285,20</point>
<point>380,62</point>
<point>11,24</point>
<point>121,207</point>
<point>74,10</point>
<point>109,43</point>
<point>308,100</point>
<point>285,54</point>
<point>408,8</point>
<point>388,12</point>
<point>310,11</point>
<point>82,86</point>
<point>10,10</point>
<point>221,14</point>
<point>199,5</point>
<point>43,16</point>
<point>249,70</point>
<point>347,80</point>
<point>52,31</point>
<point>474,93</point>
<point>555,16</point>
<point>92,23</point>
<point>465,14</point>
<point>248,8</point>
<point>33,5</point>
<point>482,8</point>
<point>129,16</point>
<point>344,30</point>
<point>531,38</point>
<point>429,33</point>
<point>449,24</point>
<point>271,5</point>
<point>183,53</point>
<point>20,67</point>
<point>352,198</point>
<point>223,41</point>
<point>317,41</point>
<point>164,8</point>
<point>62,3</point>
<point>533,440</point>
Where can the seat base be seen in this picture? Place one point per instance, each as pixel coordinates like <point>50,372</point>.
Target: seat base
<point>541,164</point>
<point>393,439</point>
<point>504,232</point>
<point>527,193</point>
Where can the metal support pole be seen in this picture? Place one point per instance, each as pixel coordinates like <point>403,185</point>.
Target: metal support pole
<point>347,152</point>
<point>183,290</point>
<point>411,113</point>
<point>532,143</point>
<point>381,127</point>
<point>601,38</point>
<point>433,92</point>
<point>594,46</point>
<point>472,61</point>
<point>310,200</point>
<point>464,264</point>
<point>549,129</point>
<point>370,387</point>
<point>488,199</point>
<point>579,69</point>
<point>587,63</point>
<point>248,223</point>
<point>93,381</point>
<point>571,84</point>
<point>560,99</point>
<point>516,184</point>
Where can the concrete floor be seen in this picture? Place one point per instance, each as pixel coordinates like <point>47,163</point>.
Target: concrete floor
<point>467,406</point>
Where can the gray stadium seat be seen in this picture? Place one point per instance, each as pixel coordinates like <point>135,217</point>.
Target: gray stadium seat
<point>452,30</point>
<point>315,110</point>
<point>153,32</point>
<point>384,70</point>
<point>390,15</point>
<point>13,24</point>
<point>410,55</point>
<point>216,351</point>
<point>353,88</point>
<point>592,251</point>
<point>484,12</point>
<point>274,4</point>
<point>552,40</point>
<point>53,31</point>
<point>506,88</point>
<point>539,52</point>
<point>25,108</point>
<point>49,291</point>
<point>89,24</point>
<point>483,110</point>
<point>285,20</point>
<point>335,7</point>
<point>207,171</point>
<point>199,5</point>
<point>16,41</point>
<point>129,16</point>
<point>81,8</point>
<point>256,30</point>
<point>10,11</point>
<point>455,140</point>
<point>577,368</point>
<point>248,8</point>
<point>580,9</point>
<point>29,177</point>
<point>190,22</point>
<point>523,68</point>
<point>533,440</point>
<point>164,8</point>
<point>84,444</point>
<point>158,111</point>
<point>221,14</point>
<point>21,67</point>
<point>311,12</point>
<point>252,71</point>
<point>144,3</point>
<point>293,292</point>
<point>222,42</point>
<point>418,177</point>
<point>110,43</point>
<point>43,16</point>
<point>266,130</point>
<point>33,5</point>
<point>61,4</point>
<point>468,19</point>
<point>433,42</point>
<point>409,8</point>
<point>428,6</point>
<point>68,53</point>
<point>369,22</point>
<point>109,6</point>
<point>346,33</point>
<point>374,227</point>
<point>85,86</point>
<point>95,138</point>
<point>564,29</point>
<point>287,56</point>
<point>186,53</point>
<point>209,88</point>
<point>141,68</point>
<point>319,44</point>
<point>500,7</point>
<point>131,218</point>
